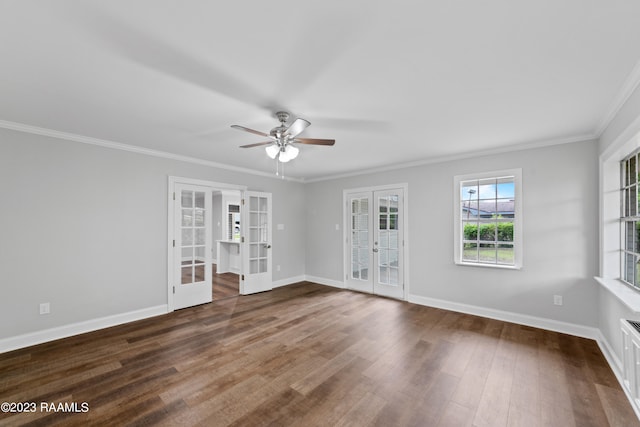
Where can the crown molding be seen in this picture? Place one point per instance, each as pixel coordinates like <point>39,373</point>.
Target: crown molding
<point>626,90</point>
<point>20,127</point>
<point>461,156</point>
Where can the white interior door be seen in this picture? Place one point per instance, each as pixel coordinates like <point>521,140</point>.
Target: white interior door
<point>375,242</point>
<point>360,242</point>
<point>256,243</point>
<point>388,243</point>
<point>192,250</point>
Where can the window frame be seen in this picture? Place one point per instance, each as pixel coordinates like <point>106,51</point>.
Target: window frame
<point>627,189</point>
<point>516,173</point>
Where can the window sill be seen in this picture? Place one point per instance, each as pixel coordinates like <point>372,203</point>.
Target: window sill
<point>626,295</point>
<point>498,266</point>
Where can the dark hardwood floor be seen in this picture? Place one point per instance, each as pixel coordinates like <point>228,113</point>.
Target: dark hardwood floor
<point>311,355</point>
<point>225,285</point>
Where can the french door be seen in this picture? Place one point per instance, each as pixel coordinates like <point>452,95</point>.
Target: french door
<point>375,242</point>
<point>192,247</point>
<point>256,243</point>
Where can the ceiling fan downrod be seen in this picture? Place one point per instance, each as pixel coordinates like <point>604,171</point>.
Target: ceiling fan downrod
<point>282,116</point>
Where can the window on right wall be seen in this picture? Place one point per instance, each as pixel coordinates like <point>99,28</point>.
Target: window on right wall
<point>630,220</point>
<point>488,219</point>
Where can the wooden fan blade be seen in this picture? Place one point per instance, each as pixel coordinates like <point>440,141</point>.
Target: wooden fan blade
<point>256,132</point>
<point>257,144</point>
<point>315,141</point>
<point>296,127</point>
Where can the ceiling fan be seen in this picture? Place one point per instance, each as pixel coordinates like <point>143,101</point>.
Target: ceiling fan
<point>283,137</point>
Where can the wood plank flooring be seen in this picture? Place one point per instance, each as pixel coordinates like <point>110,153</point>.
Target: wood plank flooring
<point>310,355</point>
<point>225,285</point>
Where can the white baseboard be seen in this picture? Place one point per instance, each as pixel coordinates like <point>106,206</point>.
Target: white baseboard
<point>288,281</point>
<point>507,316</point>
<point>610,355</point>
<point>39,337</point>
<point>327,282</point>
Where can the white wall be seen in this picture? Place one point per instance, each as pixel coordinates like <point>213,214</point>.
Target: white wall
<point>85,228</point>
<point>560,233</point>
<point>217,214</point>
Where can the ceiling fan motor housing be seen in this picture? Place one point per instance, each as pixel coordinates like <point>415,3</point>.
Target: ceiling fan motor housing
<point>277,132</point>
<point>282,116</point>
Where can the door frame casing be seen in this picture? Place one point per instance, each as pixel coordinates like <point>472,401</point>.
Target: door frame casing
<point>346,215</point>
<point>171,183</point>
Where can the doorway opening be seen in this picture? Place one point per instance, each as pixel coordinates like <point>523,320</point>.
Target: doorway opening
<point>226,257</point>
<point>216,253</point>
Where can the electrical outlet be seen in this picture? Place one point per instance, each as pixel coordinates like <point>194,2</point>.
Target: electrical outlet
<point>278,267</point>
<point>45,308</point>
<point>557,299</point>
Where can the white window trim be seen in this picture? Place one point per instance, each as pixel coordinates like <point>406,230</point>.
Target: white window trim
<point>623,218</point>
<point>517,220</point>
<point>609,275</point>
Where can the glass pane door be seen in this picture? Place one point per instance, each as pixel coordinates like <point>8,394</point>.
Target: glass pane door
<point>360,238</point>
<point>258,233</point>
<point>388,242</point>
<point>193,232</point>
<point>374,242</point>
<point>256,249</point>
<point>192,249</point>
<point>360,256</point>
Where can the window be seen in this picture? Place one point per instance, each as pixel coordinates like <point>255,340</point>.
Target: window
<point>488,223</point>
<point>630,220</point>
<point>233,222</point>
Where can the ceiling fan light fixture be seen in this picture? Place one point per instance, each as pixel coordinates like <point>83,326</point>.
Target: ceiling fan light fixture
<point>283,157</point>
<point>288,153</point>
<point>272,150</point>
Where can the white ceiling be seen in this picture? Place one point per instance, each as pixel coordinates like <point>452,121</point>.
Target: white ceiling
<point>392,82</point>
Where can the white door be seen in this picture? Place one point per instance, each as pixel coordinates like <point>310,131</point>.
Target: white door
<point>192,250</point>
<point>360,238</point>
<point>256,243</point>
<point>388,243</point>
<point>376,241</point>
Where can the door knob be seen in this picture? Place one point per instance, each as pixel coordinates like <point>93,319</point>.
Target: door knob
<point>375,249</point>
<point>267,246</point>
